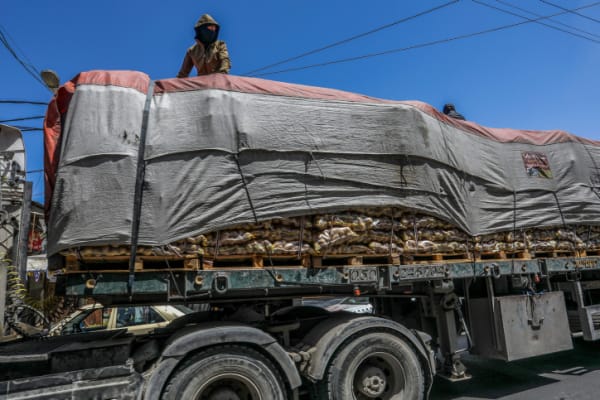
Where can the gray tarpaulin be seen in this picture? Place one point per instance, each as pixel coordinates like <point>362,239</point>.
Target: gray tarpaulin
<point>226,150</point>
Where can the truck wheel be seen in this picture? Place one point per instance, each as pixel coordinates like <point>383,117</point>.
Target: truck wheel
<point>226,373</point>
<point>374,366</point>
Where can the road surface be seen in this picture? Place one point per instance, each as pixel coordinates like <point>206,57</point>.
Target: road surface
<point>570,375</point>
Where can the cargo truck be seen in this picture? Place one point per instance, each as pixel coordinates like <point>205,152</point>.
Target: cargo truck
<point>246,196</point>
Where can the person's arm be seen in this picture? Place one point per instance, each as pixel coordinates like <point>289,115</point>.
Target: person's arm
<point>223,56</point>
<point>186,66</point>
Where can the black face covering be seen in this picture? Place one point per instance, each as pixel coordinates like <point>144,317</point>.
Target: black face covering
<point>206,36</point>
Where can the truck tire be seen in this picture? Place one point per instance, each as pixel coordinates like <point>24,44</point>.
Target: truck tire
<point>376,365</point>
<point>228,372</point>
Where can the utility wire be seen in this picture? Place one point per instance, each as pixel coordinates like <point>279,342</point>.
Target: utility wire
<point>536,21</point>
<point>506,3</point>
<point>360,35</point>
<point>18,48</point>
<point>33,171</point>
<point>41,103</point>
<point>21,119</point>
<point>570,11</point>
<point>422,45</point>
<point>27,128</point>
<point>28,67</point>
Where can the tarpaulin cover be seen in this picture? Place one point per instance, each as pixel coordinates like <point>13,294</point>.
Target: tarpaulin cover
<point>223,150</point>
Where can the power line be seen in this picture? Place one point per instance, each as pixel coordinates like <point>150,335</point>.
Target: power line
<point>40,103</point>
<point>28,67</point>
<point>422,45</point>
<point>360,35</point>
<point>21,119</point>
<point>536,21</point>
<point>27,128</point>
<point>33,171</point>
<point>506,3</point>
<point>570,11</point>
<point>18,48</point>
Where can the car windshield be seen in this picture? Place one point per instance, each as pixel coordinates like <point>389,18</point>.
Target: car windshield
<point>79,311</point>
<point>87,319</point>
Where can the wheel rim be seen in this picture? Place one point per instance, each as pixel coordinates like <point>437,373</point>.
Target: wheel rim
<point>378,376</point>
<point>228,386</point>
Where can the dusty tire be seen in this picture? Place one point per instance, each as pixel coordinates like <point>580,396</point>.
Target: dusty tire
<point>226,372</point>
<point>374,366</point>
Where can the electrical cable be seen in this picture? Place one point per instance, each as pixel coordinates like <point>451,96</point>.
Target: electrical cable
<point>506,3</point>
<point>18,48</point>
<point>27,128</point>
<point>537,22</point>
<point>28,67</point>
<point>21,119</point>
<point>570,11</point>
<point>422,45</point>
<point>358,36</point>
<point>36,103</point>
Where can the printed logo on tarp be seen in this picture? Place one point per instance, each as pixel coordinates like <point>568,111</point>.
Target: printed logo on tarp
<point>536,164</point>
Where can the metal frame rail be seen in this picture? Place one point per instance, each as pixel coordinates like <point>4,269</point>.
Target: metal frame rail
<point>203,285</point>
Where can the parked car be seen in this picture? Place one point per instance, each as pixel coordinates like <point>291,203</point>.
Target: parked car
<point>359,305</point>
<point>137,319</point>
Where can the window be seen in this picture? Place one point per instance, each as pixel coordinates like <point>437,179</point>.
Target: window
<point>89,320</point>
<point>131,316</point>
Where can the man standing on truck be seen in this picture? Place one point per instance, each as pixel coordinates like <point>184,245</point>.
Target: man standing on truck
<point>208,54</point>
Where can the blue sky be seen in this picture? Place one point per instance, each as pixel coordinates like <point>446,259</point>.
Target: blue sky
<point>529,76</point>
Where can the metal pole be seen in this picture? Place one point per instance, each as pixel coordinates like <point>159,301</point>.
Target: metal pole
<point>3,283</point>
<point>22,242</point>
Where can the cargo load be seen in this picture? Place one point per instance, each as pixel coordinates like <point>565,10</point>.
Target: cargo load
<point>236,165</point>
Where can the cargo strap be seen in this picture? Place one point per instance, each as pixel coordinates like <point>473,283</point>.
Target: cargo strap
<point>390,252</point>
<point>514,237</point>
<point>594,178</point>
<point>560,211</point>
<point>237,161</point>
<point>301,238</point>
<point>312,156</point>
<point>139,189</point>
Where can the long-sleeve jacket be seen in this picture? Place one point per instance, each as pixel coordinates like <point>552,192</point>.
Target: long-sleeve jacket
<point>215,58</point>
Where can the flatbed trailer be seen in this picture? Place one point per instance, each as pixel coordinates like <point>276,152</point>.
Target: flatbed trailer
<point>507,309</point>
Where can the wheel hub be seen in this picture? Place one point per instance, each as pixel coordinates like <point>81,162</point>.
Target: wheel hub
<point>224,394</point>
<point>373,382</point>
<point>229,387</point>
